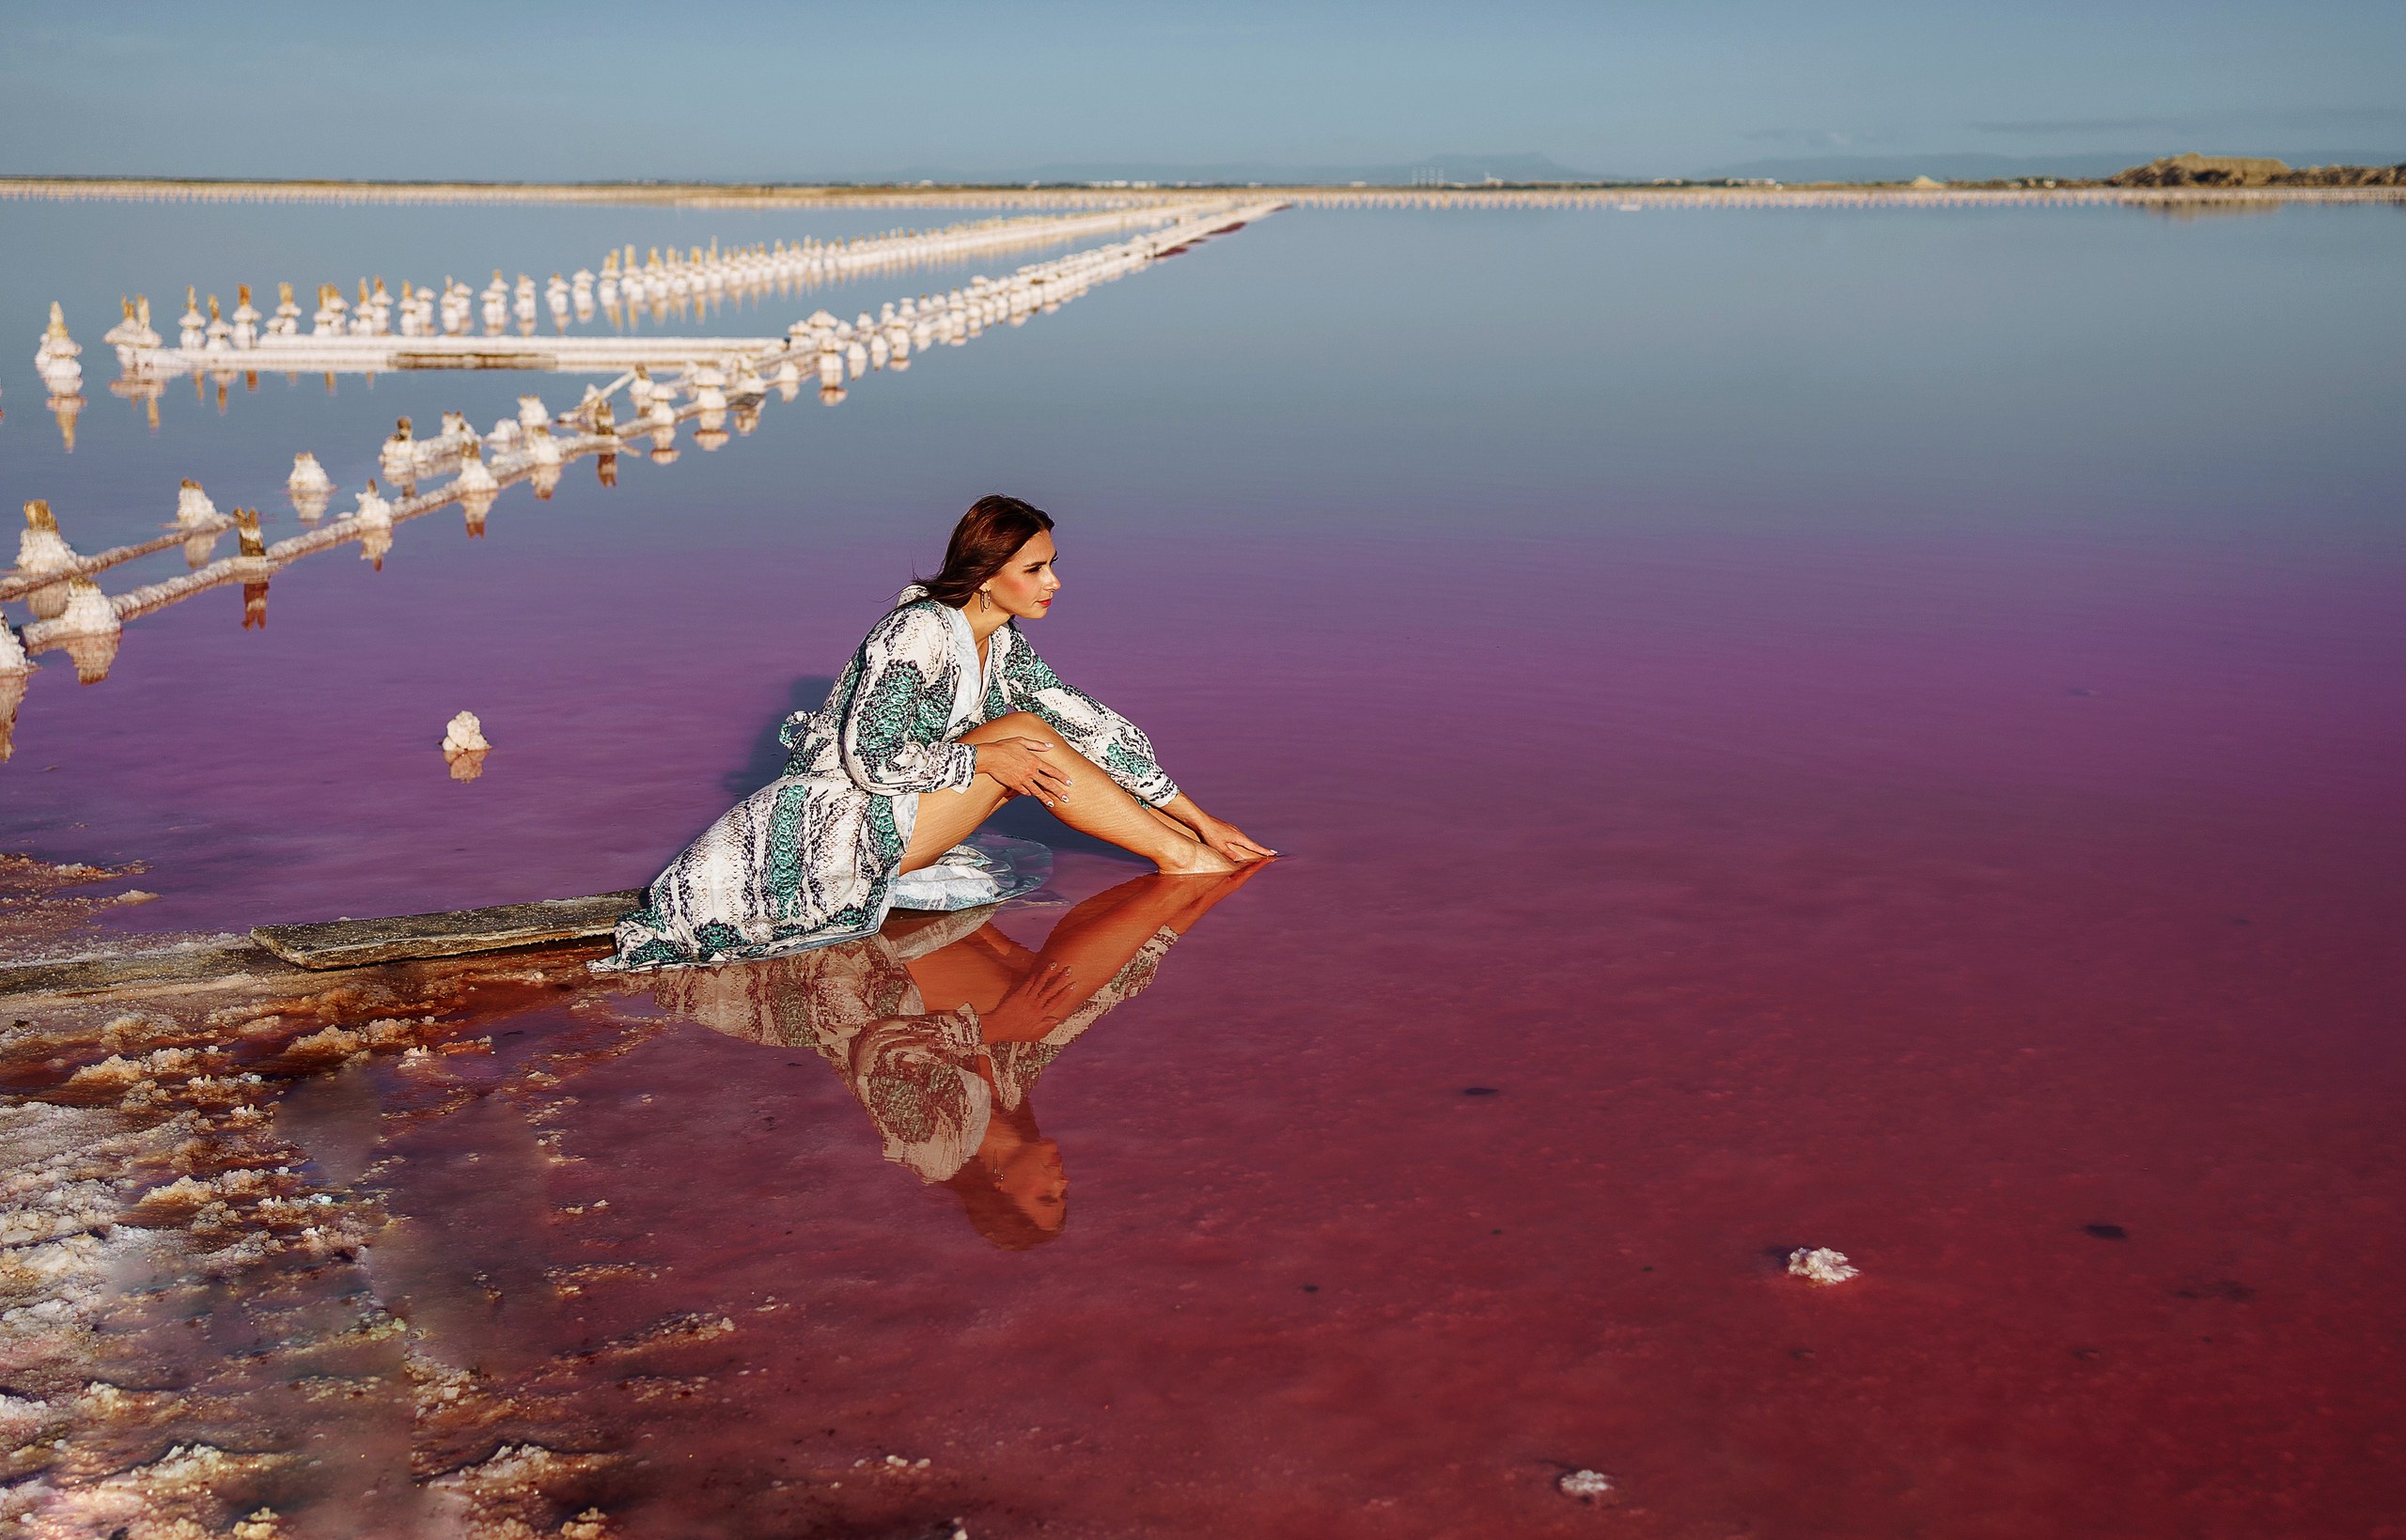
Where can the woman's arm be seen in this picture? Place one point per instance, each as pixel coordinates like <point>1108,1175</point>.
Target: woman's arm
<point>1116,744</point>
<point>1094,730</point>
<point>892,732</point>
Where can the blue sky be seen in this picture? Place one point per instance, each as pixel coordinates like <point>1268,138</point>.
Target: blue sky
<point>724,89</point>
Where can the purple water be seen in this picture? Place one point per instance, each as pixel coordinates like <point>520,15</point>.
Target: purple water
<point>1855,730</point>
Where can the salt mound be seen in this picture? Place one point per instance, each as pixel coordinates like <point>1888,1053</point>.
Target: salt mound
<point>308,477</point>
<point>1820,1265</point>
<point>465,733</point>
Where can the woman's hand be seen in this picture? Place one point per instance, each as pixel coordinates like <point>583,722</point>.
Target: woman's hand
<point>1022,766</point>
<point>1042,999</point>
<point>1228,839</point>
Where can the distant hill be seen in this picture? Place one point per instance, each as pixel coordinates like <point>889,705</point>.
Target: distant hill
<point>2244,171</point>
<point>1977,168</point>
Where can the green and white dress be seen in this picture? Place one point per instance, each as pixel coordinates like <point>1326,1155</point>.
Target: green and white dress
<point>811,858</point>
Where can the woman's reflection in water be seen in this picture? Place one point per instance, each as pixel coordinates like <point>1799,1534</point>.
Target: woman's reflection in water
<point>941,1026</point>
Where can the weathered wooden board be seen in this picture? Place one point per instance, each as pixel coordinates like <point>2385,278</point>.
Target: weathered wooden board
<point>356,943</point>
<point>199,966</point>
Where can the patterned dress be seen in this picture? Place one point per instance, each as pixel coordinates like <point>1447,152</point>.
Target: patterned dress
<point>811,858</point>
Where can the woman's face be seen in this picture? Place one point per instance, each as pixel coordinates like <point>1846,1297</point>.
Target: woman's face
<point>1036,1185</point>
<point>1026,585</point>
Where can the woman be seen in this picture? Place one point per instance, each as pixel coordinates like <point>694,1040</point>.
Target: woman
<point>943,714</point>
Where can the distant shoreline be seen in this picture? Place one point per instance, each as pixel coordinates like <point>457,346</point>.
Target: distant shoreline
<point>837,196</point>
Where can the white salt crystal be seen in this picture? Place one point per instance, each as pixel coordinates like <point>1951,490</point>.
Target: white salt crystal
<point>465,733</point>
<point>1820,1265</point>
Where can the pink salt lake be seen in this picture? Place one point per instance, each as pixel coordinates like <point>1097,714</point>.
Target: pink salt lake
<point>1877,732</point>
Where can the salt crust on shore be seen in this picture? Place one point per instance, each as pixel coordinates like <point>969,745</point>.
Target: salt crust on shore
<point>149,1190</point>
<point>504,1497</point>
<point>157,1185</point>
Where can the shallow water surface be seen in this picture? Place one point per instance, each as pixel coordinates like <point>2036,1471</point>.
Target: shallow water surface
<point>1875,730</point>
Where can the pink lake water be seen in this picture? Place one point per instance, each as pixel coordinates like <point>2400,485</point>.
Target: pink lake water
<point>1791,728</point>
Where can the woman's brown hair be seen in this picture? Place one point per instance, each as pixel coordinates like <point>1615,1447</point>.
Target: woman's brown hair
<point>982,542</point>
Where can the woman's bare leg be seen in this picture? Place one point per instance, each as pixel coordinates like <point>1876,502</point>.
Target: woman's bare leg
<point>1169,823</point>
<point>948,817</point>
<point>1096,805</point>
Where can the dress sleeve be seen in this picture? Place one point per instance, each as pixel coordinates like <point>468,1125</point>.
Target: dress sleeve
<point>1092,728</point>
<point>892,734</point>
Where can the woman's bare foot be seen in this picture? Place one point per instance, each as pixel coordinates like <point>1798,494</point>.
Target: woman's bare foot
<point>1190,857</point>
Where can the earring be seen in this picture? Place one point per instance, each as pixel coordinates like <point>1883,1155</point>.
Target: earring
<point>984,603</point>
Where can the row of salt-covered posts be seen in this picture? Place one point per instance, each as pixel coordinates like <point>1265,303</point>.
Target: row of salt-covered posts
<point>659,280</point>
<point>848,350</point>
<point>211,333</point>
<point>422,311</point>
<point>54,581</point>
<point>72,612</point>
<point>58,360</point>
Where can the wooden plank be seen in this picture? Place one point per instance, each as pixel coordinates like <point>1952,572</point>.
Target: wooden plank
<point>197,965</point>
<point>356,944</point>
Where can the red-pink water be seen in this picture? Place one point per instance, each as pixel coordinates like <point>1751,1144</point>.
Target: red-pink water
<point>2009,900</point>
